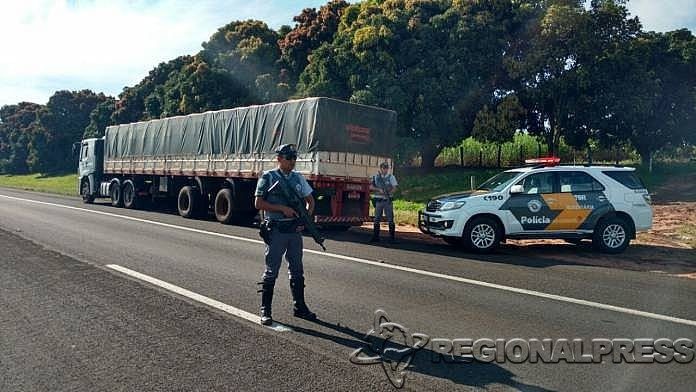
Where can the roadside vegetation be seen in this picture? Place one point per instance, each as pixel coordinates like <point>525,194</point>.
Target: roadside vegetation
<point>65,184</point>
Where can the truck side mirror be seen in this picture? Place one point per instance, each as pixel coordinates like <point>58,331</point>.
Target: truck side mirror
<point>76,149</point>
<point>516,189</point>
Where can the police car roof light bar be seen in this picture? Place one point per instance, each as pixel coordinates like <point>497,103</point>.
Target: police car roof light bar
<point>545,161</point>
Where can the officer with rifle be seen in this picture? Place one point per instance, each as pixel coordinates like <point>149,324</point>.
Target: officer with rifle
<point>286,200</point>
<point>383,185</point>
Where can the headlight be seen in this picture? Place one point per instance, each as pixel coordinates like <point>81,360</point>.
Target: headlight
<point>452,205</point>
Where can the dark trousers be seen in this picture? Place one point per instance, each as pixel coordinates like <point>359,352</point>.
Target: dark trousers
<point>288,244</point>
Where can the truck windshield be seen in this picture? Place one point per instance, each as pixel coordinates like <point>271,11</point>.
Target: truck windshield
<point>498,182</point>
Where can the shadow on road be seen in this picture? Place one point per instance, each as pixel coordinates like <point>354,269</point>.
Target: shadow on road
<point>424,361</point>
<point>543,253</point>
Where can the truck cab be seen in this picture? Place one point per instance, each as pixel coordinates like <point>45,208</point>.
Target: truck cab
<point>90,167</point>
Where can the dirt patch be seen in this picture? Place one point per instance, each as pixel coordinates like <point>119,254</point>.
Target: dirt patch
<point>679,189</point>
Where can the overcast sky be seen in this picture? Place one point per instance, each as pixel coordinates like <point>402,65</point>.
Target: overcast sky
<point>105,45</point>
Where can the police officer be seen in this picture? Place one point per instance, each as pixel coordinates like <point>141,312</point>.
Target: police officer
<point>285,234</point>
<point>382,186</point>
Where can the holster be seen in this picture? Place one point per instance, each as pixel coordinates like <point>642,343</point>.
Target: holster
<point>265,231</point>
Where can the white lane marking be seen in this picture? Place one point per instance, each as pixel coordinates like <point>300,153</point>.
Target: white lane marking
<point>198,297</point>
<point>592,304</point>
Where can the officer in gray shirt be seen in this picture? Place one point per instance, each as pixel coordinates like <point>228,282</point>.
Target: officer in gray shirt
<point>285,232</point>
<point>383,185</point>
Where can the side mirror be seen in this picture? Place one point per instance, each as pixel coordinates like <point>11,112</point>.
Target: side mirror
<point>76,149</point>
<point>516,189</point>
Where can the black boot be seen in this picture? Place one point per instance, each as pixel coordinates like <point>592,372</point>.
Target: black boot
<point>300,308</point>
<point>375,233</point>
<point>392,233</point>
<point>266,300</point>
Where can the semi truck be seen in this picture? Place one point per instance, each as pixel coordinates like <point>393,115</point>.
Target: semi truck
<point>211,161</point>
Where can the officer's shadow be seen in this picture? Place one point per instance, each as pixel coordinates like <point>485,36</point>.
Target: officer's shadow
<point>425,361</point>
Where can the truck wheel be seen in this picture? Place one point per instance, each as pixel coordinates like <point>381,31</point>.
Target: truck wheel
<point>223,205</point>
<point>86,193</point>
<point>481,235</point>
<point>611,235</point>
<point>130,197</point>
<point>188,202</point>
<point>116,195</point>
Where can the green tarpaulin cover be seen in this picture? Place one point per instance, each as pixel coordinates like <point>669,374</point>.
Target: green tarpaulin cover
<point>313,124</point>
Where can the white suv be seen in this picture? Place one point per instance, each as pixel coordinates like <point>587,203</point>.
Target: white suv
<point>604,203</point>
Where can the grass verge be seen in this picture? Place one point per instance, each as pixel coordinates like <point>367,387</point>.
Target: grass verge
<point>65,184</point>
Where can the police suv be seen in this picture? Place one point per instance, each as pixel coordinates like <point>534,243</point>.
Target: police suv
<point>606,204</point>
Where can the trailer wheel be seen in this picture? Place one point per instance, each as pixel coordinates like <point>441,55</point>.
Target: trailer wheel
<point>188,202</point>
<point>116,195</point>
<point>130,197</point>
<point>224,203</point>
<point>86,193</point>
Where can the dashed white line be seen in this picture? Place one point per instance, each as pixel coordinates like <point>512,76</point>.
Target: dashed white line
<point>592,304</point>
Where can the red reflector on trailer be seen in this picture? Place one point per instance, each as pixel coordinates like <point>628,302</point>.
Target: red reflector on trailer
<point>547,161</point>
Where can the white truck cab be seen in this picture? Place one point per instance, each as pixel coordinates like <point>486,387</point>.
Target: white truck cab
<point>607,204</point>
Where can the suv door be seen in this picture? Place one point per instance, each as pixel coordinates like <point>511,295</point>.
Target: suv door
<point>529,209</point>
<point>584,201</point>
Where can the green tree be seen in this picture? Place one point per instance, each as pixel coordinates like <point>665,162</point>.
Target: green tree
<point>100,118</point>
<point>248,52</point>
<point>63,121</point>
<point>665,110</point>
<point>18,123</point>
<point>499,126</point>
<point>130,106</point>
<point>313,29</point>
<point>432,61</point>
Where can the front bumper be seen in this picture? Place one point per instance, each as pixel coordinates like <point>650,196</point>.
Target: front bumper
<point>435,224</point>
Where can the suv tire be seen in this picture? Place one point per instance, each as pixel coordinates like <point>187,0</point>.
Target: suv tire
<point>611,235</point>
<point>481,235</point>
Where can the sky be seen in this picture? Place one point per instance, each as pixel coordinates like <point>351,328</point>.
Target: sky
<point>104,46</point>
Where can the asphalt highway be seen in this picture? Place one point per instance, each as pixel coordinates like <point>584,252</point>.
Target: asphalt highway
<point>72,319</point>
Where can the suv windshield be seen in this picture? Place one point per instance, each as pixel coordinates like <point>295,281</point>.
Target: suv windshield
<point>498,182</point>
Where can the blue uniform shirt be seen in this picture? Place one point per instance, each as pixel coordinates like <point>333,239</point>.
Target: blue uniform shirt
<point>296,181</point>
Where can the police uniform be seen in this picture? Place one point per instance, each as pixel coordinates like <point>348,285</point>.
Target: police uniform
<point>383,205</point>
<point>284,238</point>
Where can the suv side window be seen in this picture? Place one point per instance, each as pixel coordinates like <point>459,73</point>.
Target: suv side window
<point>574,181</point>
<point>537,183</point>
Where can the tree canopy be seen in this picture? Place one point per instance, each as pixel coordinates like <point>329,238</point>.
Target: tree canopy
<point>583,72</point>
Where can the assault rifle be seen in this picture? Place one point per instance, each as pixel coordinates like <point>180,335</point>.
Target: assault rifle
<point>297,203</point>
<point>381,183</point>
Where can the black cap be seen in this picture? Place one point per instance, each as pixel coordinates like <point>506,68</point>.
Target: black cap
<point>286,149</point>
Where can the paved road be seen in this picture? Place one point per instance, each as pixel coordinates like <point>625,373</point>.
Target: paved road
<point>70,323</point>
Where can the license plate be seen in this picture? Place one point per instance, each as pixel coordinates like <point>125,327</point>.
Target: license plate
<point>354,195</point>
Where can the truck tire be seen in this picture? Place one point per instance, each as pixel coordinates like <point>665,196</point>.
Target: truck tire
<point>188,202</point>
<point>224,203</point>
<point>611,235</point>
<point>86,192</point>
<point>129,194</point>
<point>116,195</point>
<point>481,235</point>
